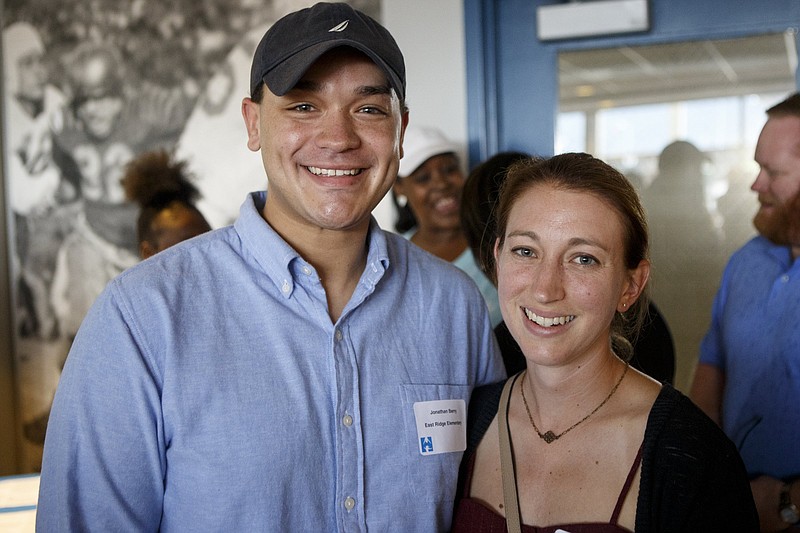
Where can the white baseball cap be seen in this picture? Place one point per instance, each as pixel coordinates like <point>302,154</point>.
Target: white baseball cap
<point>420,144</point>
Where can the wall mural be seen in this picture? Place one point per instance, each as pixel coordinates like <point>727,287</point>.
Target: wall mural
<point>88,85</point>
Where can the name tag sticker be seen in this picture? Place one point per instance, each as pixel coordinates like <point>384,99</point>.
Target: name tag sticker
<point>441,426</point>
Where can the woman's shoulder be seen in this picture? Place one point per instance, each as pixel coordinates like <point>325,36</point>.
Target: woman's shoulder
<point>672,407</point>
<point>675,417</point>
<point>691,472</point>
<point>678,433</point>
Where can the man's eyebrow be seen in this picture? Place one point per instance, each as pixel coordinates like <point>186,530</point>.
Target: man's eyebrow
<point>370,90</point>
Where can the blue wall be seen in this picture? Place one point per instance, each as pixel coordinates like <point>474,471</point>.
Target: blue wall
<point>512,84</point>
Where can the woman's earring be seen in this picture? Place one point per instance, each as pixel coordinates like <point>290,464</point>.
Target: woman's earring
<point>402,200</point>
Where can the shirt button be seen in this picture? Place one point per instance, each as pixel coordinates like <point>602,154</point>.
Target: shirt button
<point>286,287</point>
<point>785,278</point>
<point>338,334</point>
<point>306,271</point>
<point>347,420</point>
<point>349,503</point>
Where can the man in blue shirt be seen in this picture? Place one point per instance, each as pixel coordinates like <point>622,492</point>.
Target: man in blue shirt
<point>301,370</point>
<point>748,379</point>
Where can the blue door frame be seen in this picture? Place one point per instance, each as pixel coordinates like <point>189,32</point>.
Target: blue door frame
<point>512,82</point>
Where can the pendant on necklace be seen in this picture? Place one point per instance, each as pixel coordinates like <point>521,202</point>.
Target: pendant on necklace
<point>549,437</point>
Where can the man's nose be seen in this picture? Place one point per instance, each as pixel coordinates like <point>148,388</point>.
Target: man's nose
<point>337,132</point>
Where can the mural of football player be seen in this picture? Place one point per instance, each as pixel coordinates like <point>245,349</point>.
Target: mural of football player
<point>109,119</point>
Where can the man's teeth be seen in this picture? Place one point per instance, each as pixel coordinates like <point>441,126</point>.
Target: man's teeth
<point>548,321</point>
<point>333,172</point>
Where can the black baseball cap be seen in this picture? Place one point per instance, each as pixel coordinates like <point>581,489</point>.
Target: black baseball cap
<point>295,41</point>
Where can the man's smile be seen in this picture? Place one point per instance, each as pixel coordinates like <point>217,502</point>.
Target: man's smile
<point>330,172</point>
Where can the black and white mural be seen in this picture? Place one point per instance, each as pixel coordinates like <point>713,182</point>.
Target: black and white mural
<point>88,85</point>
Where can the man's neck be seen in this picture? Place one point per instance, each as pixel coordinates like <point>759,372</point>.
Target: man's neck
<point>338,256</point>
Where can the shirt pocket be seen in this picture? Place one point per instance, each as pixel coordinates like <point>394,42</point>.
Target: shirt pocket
<point>431,476</point>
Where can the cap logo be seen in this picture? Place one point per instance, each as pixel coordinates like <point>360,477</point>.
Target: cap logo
<point>339,27</point>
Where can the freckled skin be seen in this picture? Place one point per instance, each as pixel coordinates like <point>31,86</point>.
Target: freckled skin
<point>557,261</point>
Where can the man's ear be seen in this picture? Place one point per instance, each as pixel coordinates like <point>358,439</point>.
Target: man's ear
<point>403,125</point>
<point>251,112</point>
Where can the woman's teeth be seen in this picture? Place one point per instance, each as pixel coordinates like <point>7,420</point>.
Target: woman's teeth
<point>548,321</point>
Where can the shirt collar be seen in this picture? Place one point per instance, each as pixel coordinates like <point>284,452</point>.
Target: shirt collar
<point>275,256</point>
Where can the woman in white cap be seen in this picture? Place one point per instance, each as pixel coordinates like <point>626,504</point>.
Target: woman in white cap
<point>427,195</point>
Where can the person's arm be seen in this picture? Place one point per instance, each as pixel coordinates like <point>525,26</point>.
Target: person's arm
<point>766,493</point>
<point>708,386</point>
<point>104,456</point>
<point>707,389</point>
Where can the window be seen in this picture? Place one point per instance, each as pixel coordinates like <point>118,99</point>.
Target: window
<point>681,120</point>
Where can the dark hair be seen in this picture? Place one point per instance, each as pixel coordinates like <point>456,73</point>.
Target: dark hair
<point>788,107</point>
<point>405,216</point>
<point>258,93</point>
<point>584,173</point>
<point>478,201</point>
<point>154,181</point>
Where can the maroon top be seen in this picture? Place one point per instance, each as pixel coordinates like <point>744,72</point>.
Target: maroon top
<point>473,516</point>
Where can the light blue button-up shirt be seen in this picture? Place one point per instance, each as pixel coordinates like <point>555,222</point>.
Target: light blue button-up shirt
<point>208,390</point>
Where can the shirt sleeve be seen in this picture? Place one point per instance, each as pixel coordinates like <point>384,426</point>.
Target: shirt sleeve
<point>104,456</point>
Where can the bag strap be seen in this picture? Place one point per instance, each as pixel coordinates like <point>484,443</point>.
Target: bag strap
<point>510,498</point>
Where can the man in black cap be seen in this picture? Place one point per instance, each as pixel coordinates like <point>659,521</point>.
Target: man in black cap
<point>301,370</point>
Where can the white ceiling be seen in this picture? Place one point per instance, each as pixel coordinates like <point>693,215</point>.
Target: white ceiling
<point>680,71</point>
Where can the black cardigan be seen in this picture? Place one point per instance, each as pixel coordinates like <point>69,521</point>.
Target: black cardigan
<point>692,480</point>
